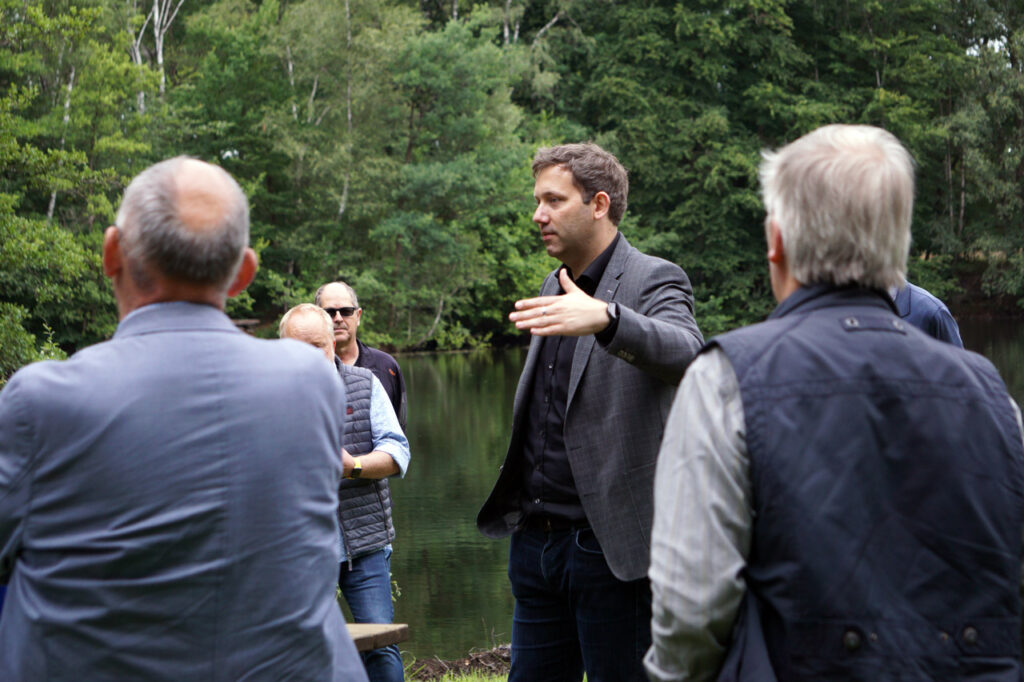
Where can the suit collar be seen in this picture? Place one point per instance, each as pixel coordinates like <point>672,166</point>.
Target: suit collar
<point>606,290</point>
<point>174,316</point>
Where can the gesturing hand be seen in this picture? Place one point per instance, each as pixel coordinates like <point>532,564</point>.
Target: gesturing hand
<point>573,313</point>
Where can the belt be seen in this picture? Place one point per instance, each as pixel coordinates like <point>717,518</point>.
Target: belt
<point>550,524</point>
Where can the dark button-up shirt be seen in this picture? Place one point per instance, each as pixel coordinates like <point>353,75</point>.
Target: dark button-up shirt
<point>547,477</point>
<point>387,370</point>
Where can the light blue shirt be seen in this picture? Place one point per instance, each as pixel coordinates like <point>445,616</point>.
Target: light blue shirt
<point>385,431</point>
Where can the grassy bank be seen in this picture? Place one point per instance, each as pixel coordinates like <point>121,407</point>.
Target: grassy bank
<point>488,665</point>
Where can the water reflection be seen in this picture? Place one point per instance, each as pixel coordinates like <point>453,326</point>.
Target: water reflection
<point>455,594</point>
<point>1002,342</point>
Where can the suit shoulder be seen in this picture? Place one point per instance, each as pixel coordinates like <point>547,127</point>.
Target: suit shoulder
<point>638,261</point>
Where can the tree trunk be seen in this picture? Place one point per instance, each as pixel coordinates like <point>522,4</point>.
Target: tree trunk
<point>63,138</point>
<point>135,52</point>
<point>963,196</point>
<point>291,80</point>
<point>163,17</point>
<point>348,109</point>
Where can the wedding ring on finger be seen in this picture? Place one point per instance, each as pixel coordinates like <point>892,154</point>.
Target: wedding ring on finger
<point>543,311</point>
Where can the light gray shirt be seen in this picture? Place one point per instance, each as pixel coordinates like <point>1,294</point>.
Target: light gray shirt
<point>702,524</point>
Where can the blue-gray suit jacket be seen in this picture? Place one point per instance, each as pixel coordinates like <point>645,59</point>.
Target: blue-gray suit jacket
<point>619,399</point>
<point>167,508</point>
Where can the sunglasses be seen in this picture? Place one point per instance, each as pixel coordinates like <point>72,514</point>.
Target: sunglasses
<point>347,311</point>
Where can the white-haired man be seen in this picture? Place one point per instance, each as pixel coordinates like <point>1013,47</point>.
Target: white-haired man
<point>838,495</point>
<point>168,497</point>
<point>375,449</point>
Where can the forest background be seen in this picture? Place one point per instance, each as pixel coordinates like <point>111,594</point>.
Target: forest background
<point>388,142</point>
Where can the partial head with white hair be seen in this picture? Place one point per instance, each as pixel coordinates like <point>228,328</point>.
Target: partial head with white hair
<point>839,202</point>
<point>310,324</point>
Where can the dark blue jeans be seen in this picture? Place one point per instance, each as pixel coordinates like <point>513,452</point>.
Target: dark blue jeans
<point>367,591</point>
<point>571,614</point>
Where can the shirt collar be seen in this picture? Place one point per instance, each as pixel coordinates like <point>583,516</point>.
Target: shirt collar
<point>591,277</point>
<point>814,296</point>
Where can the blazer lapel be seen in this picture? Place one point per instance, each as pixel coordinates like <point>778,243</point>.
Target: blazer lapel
<point>606,290</point>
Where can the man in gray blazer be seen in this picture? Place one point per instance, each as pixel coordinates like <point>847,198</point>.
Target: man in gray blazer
<point>167,498</point>
<point>613,330</point>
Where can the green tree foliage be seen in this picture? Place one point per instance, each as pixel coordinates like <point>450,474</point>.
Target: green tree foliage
<point>387,142</point>
<point>55,187</point>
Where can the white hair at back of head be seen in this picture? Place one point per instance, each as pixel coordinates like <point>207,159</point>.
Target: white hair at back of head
<point>843,198</point>
<point>306,309</point>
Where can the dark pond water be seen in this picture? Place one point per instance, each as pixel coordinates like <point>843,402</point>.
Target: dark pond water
<point>454,593</point>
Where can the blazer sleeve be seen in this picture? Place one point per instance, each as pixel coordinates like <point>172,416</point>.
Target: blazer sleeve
<point>16,451</point>
<point>658,335</point>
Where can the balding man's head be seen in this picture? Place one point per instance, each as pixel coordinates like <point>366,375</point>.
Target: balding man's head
<point>310,324</point>
<point>185,220</point>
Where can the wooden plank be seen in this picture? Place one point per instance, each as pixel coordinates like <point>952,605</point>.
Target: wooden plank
<point>369,636</point>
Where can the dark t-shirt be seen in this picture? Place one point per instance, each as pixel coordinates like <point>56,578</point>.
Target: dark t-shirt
<point>387,370</point>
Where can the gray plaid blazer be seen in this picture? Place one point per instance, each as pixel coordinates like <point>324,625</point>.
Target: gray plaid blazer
<point>619,399</point>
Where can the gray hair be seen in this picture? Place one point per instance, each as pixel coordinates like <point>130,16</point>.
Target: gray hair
<point>593,170</point>
<point>351,292</point>
<point>154,237</point>
<point>843,198</point>
<point>306,309</point>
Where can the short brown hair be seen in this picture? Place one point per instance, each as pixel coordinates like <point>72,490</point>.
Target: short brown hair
<point>593,170</point>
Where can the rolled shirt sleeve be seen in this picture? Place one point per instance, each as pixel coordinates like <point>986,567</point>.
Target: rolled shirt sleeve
<point>702,524</point>
<point>385,430</point>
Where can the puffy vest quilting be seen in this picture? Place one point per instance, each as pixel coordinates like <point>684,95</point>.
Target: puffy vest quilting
<point>887,474</point>
<point>364,505</point>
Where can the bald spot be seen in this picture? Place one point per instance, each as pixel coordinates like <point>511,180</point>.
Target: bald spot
<point>204,195</point>
<point>309,328</point>
<point>336,290</point>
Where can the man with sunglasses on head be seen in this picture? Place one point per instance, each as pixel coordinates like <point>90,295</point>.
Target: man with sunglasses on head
<point>341,303</point>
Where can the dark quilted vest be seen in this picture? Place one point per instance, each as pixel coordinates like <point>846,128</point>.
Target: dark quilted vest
<point>364,505</point>
<point>888,489</point>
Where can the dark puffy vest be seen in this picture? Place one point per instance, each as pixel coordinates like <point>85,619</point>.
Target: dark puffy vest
<point>364,505</point>
<point>887,473</point>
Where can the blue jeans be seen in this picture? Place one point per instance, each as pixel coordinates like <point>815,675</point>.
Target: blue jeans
<point>571,614</point>
<point>367,590</point>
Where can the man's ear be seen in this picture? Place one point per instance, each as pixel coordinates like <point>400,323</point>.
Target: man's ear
<point>600,205</point>
<point>113,262</point>
<point>776,250</point>
<point>246,272</point>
